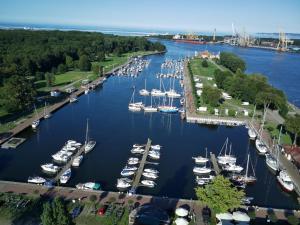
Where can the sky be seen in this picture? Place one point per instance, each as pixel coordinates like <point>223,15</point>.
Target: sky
<point>189,16</point>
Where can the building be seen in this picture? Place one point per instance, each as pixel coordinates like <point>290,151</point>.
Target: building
<point>208,55</point>
<point>292,153</point>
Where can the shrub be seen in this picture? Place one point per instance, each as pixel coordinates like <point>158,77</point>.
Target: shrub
<point>204,63</point>
<point>293,220</point>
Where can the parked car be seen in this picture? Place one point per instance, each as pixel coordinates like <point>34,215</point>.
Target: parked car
<point>102,210</point>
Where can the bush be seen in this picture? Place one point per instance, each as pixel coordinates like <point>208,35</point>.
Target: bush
<point>252,214</point>
<point>293,220</point>
<point>204,63</point>
<point>231,113</point>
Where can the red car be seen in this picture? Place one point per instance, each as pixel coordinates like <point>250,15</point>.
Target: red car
<point>102,210</point>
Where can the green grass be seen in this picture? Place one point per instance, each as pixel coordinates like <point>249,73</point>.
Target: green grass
<point>198,69</point>
<point>274,132</point>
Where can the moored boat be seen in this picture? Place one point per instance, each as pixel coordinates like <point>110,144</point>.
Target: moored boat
<point>88,186</point>
<point>285,181</point>
<point>50,168</point>
<point>77,161</point>
<point>201,170</point>
<point>65,177</point>
<point>36,180</point>
<point>148,183</point>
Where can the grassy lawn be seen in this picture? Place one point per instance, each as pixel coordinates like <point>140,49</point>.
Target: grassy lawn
<point>274,132</point>
<point>198,69</point>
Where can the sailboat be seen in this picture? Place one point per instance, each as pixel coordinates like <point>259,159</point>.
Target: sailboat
<point>251,131</point>
<point>36,122</point>
<point>168,108</point>
<point>260,146</point>
<point>150,108</point>
<point>156,92</point>
<point>144,92</point>
<point>135,106</point>
<point>271,161</point>
<point>46,113</point>
<point>246,178</point>
<point>200,159</point>
<point>226,159</point>
<point>202,170</point>
<point>89,144</point>
<point>172,93</point>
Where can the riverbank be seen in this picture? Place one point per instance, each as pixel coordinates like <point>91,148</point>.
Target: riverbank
<point>23,123</point>
<point>168,204</point>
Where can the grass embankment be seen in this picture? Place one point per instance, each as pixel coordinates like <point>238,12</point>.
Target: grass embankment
<point>70,78</point>
<point>206,77</point>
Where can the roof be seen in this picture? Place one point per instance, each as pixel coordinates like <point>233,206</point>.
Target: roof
<point>294,151</point>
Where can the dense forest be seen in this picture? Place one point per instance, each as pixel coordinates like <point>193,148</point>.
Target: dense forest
<point>32,53</point>
<point>27,56</point>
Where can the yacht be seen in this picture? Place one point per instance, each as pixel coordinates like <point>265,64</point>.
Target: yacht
<point>148,170</point>
<point>88,186</point>
<point>285,181</point>
<point>157,93</point>
<point>61,157</point>
<point>131,168</point>
<point>73,143</point>
<point>251,133</point>
<point>200,159</point>
<point>77,161</point>
<point>65,177</point>
<point>138,146</point>
<point>123,184</point>
<point>89,144</point>
<point>173,94</point>
<point>127,173</point>
<point>226,158</point>
<point>261,147</point>
<point>148,183</point>
<point>233,168</point>
<point>133,161</point>
<point>50,168</point>
<point>201,170</point>
<point>150,175</point>
<point>69,148</point>
<point>36,180</point>
<point>137,150</point>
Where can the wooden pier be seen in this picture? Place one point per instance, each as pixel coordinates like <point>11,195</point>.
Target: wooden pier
<point>140,170</point>
<point>69,163</point>
<point>215,163</point>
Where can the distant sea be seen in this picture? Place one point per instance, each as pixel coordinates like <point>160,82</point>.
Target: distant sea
<point>122,31</point>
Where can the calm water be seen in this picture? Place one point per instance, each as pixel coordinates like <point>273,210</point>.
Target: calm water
<point>115,129</point>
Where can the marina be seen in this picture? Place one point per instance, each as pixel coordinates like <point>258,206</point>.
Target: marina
<point>115,129</point>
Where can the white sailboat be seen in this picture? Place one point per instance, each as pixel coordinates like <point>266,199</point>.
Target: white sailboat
<point>200,159</point>
<point>144,92</point>
<point>135,106</point>
<point>285,181</point>
<point>150,108</point>
<point>226,159</point>
<point>259,144</point>
<point>271,161</point>
<point>251,131</point>
<point>36,122</point>
<point>46,113</point>
<point>246,178</point>
<point>156,92</point>
<point>89,145</point>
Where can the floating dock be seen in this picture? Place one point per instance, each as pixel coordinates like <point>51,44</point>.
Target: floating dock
<point>137,178</point>
<point>69,163</point>
<point>215,163</point>
<point>13,143</point>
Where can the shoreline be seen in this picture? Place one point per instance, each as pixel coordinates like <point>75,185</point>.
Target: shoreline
<point>55,107</point>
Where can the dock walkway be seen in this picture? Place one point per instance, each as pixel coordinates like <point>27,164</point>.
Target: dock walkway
<point>69,163</point>
<point>140,170</point>
<point>215,163</point>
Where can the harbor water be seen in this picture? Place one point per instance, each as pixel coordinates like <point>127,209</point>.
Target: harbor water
<point>116,129</point>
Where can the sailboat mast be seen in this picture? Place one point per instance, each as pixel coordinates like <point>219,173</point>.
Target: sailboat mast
<point>246,175</point>
<point>87,131</point>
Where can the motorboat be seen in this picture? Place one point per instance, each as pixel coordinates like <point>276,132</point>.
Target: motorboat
<point>133,161</point>
<point>156,147</point>
<point>36,180</point>
<point>251,133</point>
<point>35,124</point>
<point>150,175</point>
<point>86,91</point>
<point>154,154</point>
<point>206,177</point>
<point>200,160</point>
<point>285,181</point>
<point>89,144</point>
<point>50,168</point>
<point>138,146</point>
<point>201,170</point>
<point>148,183</point>
<point>73,143</point>
<point>77,161</point>
<point>144,92</point>
<point>132,168</point>
<point>168,109</point>
<point>272,162</point>
<point>246,200</point>
<point>261,147</point>
<point>69,148</point>
<point>65,177</point>
<point>137,150</point>
<point>201,182</point>
<point>123,184</point>
<point>88,186</point>
<point>233,168</point>
<point>61,157</point>
<point>127,173</point>
<point>73,99</point>
<point>148,170</point>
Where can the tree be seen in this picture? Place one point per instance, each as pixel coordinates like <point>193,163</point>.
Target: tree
<point>292,124</point>
<point>204,63</point>
<point>50,79</point>
<point>211,96</point>
<point>60,212</point>
<point>47,215</point>
<point>96,69</point>
<point>62,68</point>
<point>232,61</point>
<point>17,94</point>
<point>69,62</point>
<point>219,195</point>
<point>84,64</point>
